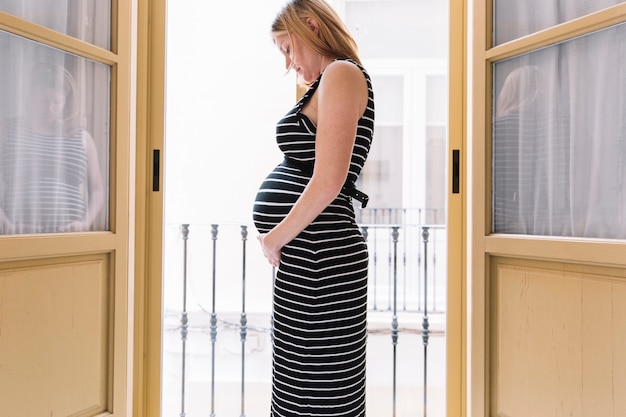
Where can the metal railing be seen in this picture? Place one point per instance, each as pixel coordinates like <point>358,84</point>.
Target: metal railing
<point>212,265</point>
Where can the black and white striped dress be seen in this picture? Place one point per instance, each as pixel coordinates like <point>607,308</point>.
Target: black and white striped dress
<point>320,291</point>
<point>43,178</point>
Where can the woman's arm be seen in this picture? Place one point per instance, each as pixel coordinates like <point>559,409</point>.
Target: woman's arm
<point>341,101</point>
<point>6,227</point>
<point>95,188</point>
<point>94,181</point>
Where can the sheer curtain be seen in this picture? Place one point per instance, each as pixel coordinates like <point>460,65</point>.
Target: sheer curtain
<point>87,20</point>
<point>54,128</point>
<point>559,129</point>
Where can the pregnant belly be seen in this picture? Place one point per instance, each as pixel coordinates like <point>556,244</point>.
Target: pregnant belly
<point>276,196</point>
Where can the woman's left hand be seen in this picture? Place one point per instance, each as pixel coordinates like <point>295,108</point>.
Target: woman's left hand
<point>78,226</point>
<point>272,254</point>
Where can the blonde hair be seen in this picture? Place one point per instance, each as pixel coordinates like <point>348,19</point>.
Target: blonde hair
<point>520,90</point>
<point>333,40</point>
<point>44,75</point>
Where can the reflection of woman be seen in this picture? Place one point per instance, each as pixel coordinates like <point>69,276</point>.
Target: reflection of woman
<point>519,92</point>
<point>515,130</point>
<point>49,171</point>
<point>531,155</point>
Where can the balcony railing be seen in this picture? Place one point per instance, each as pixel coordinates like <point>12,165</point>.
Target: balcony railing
<point>217,350</point>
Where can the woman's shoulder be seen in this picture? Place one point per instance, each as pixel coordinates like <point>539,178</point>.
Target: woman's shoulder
<point>345,67</point>
<point>343,72</point>
<point>343,81</point>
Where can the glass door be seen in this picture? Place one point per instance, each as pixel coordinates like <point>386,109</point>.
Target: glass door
<point>65,147</point>
<point>549,206</point>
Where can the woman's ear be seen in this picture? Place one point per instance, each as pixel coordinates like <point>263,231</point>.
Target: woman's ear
<point>313,25</point>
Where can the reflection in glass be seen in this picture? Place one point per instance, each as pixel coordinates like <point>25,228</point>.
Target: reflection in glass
<point>87,20</point>
<point>559,139</point>
<point>52,171</point>
<point>516,18</point>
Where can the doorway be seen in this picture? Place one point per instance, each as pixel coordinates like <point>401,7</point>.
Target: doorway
<point>224,95</point>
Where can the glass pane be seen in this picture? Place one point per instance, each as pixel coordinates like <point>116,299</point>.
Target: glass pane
<point>87,20</point>
<point>54,140</point>
<point>559,139</point>
<point>516,18</point>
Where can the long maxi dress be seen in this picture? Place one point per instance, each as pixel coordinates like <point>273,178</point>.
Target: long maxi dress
<point>319,326</point>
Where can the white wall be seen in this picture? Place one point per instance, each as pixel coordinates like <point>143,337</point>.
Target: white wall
<point>226,89</point>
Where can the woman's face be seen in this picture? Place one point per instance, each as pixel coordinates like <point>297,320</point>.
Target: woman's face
<point>48,104</point>
<point>304,61</point>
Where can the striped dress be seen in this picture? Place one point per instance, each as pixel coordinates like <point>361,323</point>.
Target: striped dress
<point>43,179</point>
<point>320,291</point>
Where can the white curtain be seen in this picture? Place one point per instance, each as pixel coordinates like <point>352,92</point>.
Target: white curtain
<point>54,128</point>
<point>87,20</point>
<point>559,131</point>
<point>516,18</point>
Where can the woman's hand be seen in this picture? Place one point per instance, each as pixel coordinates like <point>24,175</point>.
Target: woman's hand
<point>271,252</point>
<point>6,227</point>
<point>77,226</point>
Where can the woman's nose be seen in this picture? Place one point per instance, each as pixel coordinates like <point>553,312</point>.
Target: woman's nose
<point>287,62</point>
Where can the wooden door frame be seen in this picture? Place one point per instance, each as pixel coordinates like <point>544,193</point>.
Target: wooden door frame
<point>456,315</point>
<point>483,245</point>
<point>150,64</point>
<point>150,56</point>
<point>116,243</point>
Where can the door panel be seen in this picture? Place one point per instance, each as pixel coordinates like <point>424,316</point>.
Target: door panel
<point>547,237</point>
<point>55,336</point>
<point>557,339</point>
<point>64,292</point>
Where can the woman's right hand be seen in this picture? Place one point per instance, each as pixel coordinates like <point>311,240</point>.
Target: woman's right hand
<point>6,227</point>
<point>272,254</point>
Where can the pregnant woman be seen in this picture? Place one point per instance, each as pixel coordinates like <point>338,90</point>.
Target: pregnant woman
<point>304,214</point>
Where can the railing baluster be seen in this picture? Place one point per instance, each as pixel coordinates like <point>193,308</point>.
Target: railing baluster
<point>364,232</point>
<point>425,325</point>
<point>399,219</point>
<point>420,260</point>
<point>404,270</point>
<point>214,231</point>
<point>394,320</point>
<point>184,325</point>
<point>391,271</point>
<point>375,269</point>
<point>434,269</point>
<point>244,329</point>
